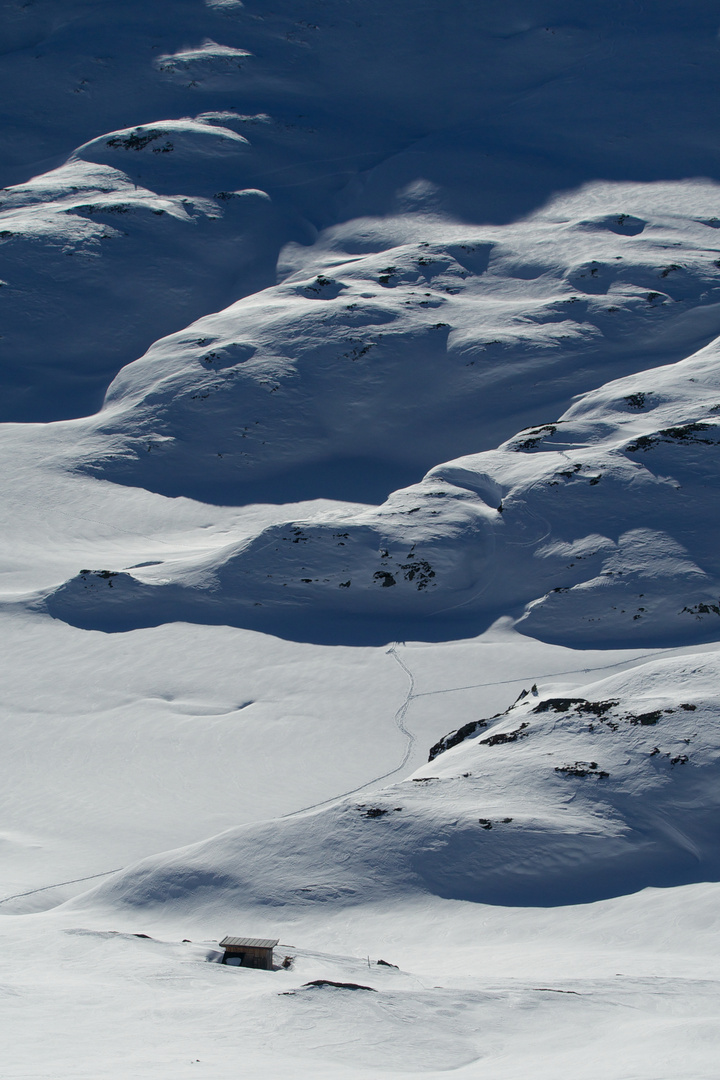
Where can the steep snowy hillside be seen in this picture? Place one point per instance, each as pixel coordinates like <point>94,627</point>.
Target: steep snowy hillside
<point>360,401</point>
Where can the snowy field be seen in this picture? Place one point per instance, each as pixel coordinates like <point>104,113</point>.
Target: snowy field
<point>359,575</point>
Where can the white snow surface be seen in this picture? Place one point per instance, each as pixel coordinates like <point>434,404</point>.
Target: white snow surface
<point>360,406</point>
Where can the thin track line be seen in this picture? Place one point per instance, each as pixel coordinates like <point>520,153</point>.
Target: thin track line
<point>399,719</point>
<point>58,884</point>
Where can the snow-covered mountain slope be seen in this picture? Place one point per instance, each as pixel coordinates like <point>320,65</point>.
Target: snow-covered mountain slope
<point>149,740</point>
<point>360,368</point>
<point>393,344</point>
<point>563,798</point>
<point>598,524</point>
<point>477,113</point>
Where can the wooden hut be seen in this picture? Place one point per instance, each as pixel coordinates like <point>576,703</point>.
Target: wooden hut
<point>248,952</point>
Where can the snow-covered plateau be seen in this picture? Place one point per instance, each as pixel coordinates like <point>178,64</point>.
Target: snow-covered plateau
<point>359,571</point>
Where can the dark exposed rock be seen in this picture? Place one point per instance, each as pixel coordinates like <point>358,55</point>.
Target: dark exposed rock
<point>702,609</point>
<point>646,719</point>
<point>456,737</point>
<point>535,436</point>
<point>580,705</point>
<point>506,736</point>
<point>636,401</point>
<point>581,768</point>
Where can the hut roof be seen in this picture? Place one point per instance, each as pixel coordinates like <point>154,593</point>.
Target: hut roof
<point>249,942</point>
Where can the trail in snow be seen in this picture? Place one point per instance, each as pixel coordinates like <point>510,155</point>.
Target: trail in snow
<point>59,884</point>
<point>402,711</point>
<point>571,671</point>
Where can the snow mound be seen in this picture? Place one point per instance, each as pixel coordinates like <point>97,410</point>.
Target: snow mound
<point>207,67</point>
<point>169,153</point>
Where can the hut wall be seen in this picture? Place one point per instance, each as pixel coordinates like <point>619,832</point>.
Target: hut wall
<point>252,956</point>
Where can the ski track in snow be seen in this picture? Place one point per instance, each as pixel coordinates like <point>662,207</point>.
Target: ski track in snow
<point>402,711</point>
<point>556,674</point>
<point>399,718</point>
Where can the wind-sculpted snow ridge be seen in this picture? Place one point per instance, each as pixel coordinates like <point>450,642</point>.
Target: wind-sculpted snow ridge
<point>597,527</point>
<point>395,343</point>
<point>564,798</point>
